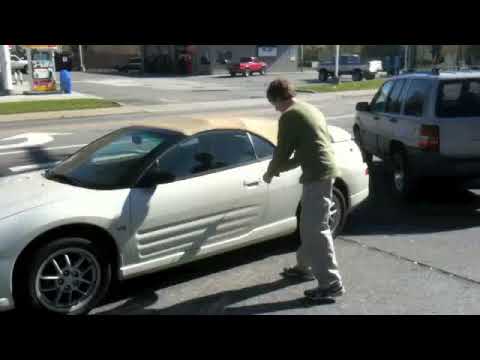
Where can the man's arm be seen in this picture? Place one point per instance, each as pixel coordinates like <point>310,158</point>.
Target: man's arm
<point>281,161</point>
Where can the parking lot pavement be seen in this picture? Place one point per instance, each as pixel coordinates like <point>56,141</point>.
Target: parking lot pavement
<point>395,258</point>
<point>156,90</point>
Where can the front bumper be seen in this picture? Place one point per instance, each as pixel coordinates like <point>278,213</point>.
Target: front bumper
<point>6,297</point>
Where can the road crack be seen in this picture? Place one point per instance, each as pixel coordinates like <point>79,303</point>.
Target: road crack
<point>415,262</point>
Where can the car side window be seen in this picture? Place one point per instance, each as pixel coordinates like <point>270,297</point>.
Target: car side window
<point>263,148</point>
<point>394,102</point>
<point>207,152</point>
<point>417,97</point>
<point>380,99</point>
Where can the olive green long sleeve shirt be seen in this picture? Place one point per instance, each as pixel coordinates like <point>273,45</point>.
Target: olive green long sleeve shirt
<point>303,130</point>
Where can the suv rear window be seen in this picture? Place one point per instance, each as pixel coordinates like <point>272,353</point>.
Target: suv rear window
<point>417,97</point>
<point>459,98</point>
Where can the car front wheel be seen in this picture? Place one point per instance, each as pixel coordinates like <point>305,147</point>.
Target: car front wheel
<point>68,276</point>
<point>338,215</point>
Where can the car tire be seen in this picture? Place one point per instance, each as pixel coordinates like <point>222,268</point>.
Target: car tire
<point>357,76</point>
<point>322,76</point>
<point>263,71</point>
<point>337,220</point>
<point>232,74</point>
<point>246,73</point>
<point>367,157</point>
<point>369,76</point>
<point>84,282</point>
<point>25,69</point>
<point>404,184</point>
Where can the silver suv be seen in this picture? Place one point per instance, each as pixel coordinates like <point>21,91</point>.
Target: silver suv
<point>424,125</point>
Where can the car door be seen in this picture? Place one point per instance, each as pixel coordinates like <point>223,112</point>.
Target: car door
<point>284,192</point>
<point>216,199</point>
<point>368,120</point>
<point>391,123</point>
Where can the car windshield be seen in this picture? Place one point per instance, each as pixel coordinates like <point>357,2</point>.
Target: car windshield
<point>245,59</point>
<point>115,160</point>
<point>459,98</point>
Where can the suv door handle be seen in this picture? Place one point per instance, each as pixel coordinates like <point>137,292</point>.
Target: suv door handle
<point>393,120</point>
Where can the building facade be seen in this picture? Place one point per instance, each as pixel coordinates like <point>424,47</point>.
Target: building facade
<point>202,59</point>
<point>444,56</point>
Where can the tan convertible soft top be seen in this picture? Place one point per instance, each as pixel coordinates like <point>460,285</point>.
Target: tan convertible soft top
<point>266,128</point>
<point>191,126</point>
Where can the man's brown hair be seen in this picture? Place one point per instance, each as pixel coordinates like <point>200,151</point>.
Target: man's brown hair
<point>280,90</point>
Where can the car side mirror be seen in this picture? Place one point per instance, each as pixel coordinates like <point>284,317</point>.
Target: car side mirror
<point>363,106</point>
<point>156,176</point>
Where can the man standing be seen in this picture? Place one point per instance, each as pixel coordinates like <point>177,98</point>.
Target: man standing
<point>303,130</point>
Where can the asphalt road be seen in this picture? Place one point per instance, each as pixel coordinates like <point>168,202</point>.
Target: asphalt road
<point>396,258</point>
<point>169,90</point>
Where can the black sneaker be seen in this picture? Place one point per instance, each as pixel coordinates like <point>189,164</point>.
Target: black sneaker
<point>297,274</point>
<point>318,294</point>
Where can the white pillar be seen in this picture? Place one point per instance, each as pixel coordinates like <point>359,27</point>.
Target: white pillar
<point>337,61</point>
<point>6,66</point>
<point>80,53</point>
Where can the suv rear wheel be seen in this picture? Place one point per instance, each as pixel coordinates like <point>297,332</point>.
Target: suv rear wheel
<point>322,75</point>
<point>404,184</point>
<point>357,76</point>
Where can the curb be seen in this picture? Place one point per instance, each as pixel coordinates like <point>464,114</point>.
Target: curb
<point>55,115</point>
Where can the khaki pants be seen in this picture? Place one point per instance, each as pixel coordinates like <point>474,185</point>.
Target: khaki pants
<point>317,253</point>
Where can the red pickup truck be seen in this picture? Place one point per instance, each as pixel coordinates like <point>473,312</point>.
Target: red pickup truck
<point>247,66</point>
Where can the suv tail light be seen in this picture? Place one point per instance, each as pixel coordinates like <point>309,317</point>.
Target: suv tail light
<point>429,138</point>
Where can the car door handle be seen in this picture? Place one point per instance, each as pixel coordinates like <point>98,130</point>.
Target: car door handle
<point>393,120</point>
<point>251,183</point>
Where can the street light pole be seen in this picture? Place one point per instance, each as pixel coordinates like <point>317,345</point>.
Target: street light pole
<point>406,58</point>
<point>301,57</point>
<point>6,68</point>
<point>337,62</point>
<point>80,53</point>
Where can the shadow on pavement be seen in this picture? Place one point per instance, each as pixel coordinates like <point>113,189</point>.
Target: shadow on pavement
<point>215,304</point>
<point>439,206</point>
<point>136,287</point>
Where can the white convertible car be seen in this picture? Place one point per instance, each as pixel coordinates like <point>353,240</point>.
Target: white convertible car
<point>148,197</point>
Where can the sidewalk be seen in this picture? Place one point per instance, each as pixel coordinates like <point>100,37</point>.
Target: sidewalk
<point>72,96</point>
<point>172,108</point>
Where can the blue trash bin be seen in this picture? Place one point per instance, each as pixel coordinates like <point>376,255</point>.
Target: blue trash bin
<point>66,81</point>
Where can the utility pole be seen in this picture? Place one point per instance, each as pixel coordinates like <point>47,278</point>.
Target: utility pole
<point>337,63</point>
<point>6,69</point>
<point>301,58</point>
<point>80,53</point>
<point>406,66</point>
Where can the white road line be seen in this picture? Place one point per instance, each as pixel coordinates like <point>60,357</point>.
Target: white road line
<point>32,167</point>
<point>347,116</point>
<point>47,149</point>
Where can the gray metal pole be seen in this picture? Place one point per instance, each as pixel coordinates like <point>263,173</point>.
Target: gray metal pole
<point>337,62</point>
<point>406,58</point>
<point>301,57</point>
<point>80,53</point>
<point>6,66</point>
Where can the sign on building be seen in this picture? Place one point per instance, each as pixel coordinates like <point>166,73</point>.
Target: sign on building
<point>267,51</point>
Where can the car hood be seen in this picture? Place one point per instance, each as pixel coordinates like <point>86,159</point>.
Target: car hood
<point>20,193</point>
